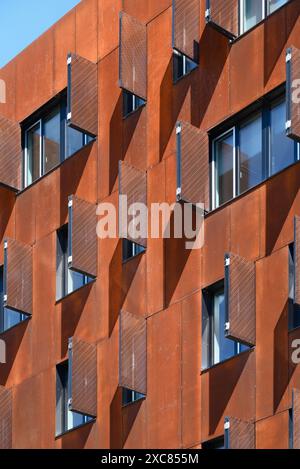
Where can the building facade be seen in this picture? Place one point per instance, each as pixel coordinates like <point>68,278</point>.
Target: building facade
<point>142,343</point>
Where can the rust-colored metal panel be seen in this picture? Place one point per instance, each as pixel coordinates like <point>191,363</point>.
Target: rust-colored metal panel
<point>82,236</point>
<point>240,299</point>
<point>10,153</point>
<point>297,260</point>
<point>186,27</point>
<point>133,352</point>
<point>224,16</point>
<point>82,377</point>
<point>293,106</point>
<point>82,94</point>
<point>18,276</point>
<point>239,434</point>
<point>133,184</point>
<point>133,55</point>
<point>296,419</point>
<point>5,418</point>
<point>192,164</point>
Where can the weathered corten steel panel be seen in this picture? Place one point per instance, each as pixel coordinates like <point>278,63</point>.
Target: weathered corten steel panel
<point>82,94</point>
<point>186,27</point>
<point>133,184</point>
<point>224,16</point>
<point>296,419</point>
<point>10,153</point>
<point>240,299</point>
<point>18,273</point>
<point>5,418</point>
<point>133,55</point>
<point>83,377</point>
<point>239,434</point>
<point>293,106</point>
<point>83,239</point>
<point>192,164</point>
<point>133,352</point>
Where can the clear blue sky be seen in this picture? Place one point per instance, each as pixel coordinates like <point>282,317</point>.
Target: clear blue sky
<point>22,21</point>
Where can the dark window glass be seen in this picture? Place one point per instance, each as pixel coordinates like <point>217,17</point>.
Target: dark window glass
<point>131,103</point>
<point>251,168</point>
<point>128,396</point>
<point>33,153</point>
<point>65,418</point>
<point>282,148</point>
<point>224,158</point>
<point>67,280</point>
<point>182,65</point>
<point>51,139</point>
<point>218,443</point>
<point>294,309</point>
<point>131,249</point>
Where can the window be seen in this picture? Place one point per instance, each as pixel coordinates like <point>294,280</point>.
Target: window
<point>216,347</point>
<point>217,443</point>
<point>131,103</point>
<point>252,150</point>
<point>294,309</point>
<point>65,418</point>
<point>131,249</point>
<point>254,11</point>
<point>8,317</point>
<point>291,429</point>
<point>182,65</point>
<point>67,280</point>
<point>49,141</point>
<point>128,396</point>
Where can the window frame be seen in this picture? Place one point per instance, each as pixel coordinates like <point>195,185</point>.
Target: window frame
<point>231,130</point>
<point>26,152</point>
<point>265,14</point>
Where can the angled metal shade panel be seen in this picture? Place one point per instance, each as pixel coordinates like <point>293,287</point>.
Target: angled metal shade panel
<point>192,164</point>
<point>186,27</point>
<point>292,93</point>
<point>18,276</point>
<point>240,299</point>
<point>5,418</point>
<point>297,260</point>
<point>82,237</point>
<point>133,56</point>
<point>239,434</point>
<point>296,419</point>
<point>224,16</point>
<point>133,185</point>
<point>133,352</point>
<point>82,377</point>
<point>82,95</point>
<point>10,153</point>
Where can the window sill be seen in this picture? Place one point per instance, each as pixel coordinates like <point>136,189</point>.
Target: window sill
<point>60,300</point>
<point>206,370</point>
<point>55,168</point>
<point>61,435</point>
<point>16,325</point>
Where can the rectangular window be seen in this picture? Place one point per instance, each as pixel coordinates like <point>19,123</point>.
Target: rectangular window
<point>182,65</point>
<point>67,280</point>
<point>128,396</point>
<point>293,309</point>
<point>254,149</point>
<point>216,347</point>
<point>131,103</point>
<point>49,141</point>
<point>131,249</point>
<point>273,5</point>
<point>65,418</point>
<point>8,317</point>
<point>254,11</point>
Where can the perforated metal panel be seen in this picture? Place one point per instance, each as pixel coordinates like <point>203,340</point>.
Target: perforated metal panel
<point>82,377</point>
<point>82,94</point>
<point>297,260</point>
<point>133,352</point>
<point>18,276</point>
<point>296,419</point>
<point>133,55</point>
<point>10,153</point>
<point>293,93</point>
<point>192,164</point>
<point>186,27</point>
<point>5,418</point>
<point>82,236</point>
<point>240,299</point>
<point>133,184</point>
<point>239,434</point>
<point>224,15</point>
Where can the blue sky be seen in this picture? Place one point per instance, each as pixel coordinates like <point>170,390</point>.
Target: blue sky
<point>22,21</point>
